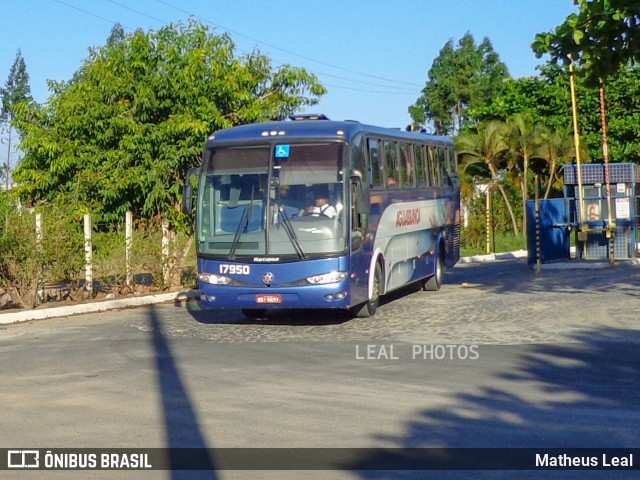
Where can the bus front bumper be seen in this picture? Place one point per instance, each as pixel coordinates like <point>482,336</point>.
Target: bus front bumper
<point>333,295</point>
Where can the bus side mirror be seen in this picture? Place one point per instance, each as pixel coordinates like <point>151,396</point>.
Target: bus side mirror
<point>187,191</point>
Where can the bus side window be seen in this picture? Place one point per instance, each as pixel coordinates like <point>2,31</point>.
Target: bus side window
<point>452,166</point>
<point>432,170</point>
<point>375,164</point>
<point>391,165</point>
<point>407,165</point>
<point>442,167</point>
<point>418,157</point>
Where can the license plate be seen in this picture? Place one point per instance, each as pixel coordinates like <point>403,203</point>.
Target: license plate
<point>275,298</point>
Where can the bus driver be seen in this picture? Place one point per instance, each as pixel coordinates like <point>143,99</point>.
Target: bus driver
<point>321,206</point>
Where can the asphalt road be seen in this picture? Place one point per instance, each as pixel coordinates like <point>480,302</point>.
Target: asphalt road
<point>499,357</point>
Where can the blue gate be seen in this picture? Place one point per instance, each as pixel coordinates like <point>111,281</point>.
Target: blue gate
<point>553,231</point>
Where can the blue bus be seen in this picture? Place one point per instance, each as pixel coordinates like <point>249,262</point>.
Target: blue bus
<point>312,213</point>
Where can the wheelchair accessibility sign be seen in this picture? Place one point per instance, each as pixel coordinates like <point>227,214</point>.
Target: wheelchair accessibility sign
<point>282,151</point>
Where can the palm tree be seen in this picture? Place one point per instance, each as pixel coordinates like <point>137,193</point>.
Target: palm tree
<point>487,146</point>
<point>558,148</point>
<point>524,141</point>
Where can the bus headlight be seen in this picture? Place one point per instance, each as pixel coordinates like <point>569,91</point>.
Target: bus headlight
<point>214,279</point>
<point>325,278</point>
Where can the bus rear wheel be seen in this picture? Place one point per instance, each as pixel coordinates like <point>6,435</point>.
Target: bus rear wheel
<point>370,308</point>
<point>433,283</point>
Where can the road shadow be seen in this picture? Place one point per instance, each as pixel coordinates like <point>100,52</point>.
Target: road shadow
<point>586,396</point>
<point>187,444</point>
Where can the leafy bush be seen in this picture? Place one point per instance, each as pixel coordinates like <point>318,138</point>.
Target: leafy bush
<point>26,261</point>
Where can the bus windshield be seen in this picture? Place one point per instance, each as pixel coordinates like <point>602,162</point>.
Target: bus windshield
<point>282,201</point>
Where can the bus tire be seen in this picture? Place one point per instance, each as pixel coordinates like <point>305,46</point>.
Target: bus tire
<point>253,312</point>
<point>369,308</point>
<point>434,282</point>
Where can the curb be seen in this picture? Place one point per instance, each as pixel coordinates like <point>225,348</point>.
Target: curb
<point>586,264</point>
<point>105,305</point>
<point>102,306</point>
<point>494,256</point>
<point>93,307</point>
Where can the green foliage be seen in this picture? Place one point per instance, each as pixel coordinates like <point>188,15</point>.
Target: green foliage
<point>109,260</point>
<point>602,37</point>
<point>120,135</point>
<point>146,261</point>
<point>474,235</point>
<point>461,78</point>
<point>63,240</point>
<point>508,155</point>
<point>22,265</point>
<point>26,262</point>
<point>502,242</point>
<point>546,99</point>
<point>16,88</point>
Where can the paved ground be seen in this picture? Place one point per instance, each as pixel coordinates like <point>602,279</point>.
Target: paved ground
<point>534,361</point>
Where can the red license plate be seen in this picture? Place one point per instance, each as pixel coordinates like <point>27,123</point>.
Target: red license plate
<point>275,298</point>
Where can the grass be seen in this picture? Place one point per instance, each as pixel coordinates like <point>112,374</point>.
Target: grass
<point>503,242</point>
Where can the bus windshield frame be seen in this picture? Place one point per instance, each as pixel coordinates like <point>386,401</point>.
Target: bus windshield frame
<point>272,200</point>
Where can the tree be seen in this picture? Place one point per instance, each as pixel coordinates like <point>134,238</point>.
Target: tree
<point>558,148</point>
<point>461,78</point>
<point>16,90</point>
<point>120,135</point>
<point>524,140</point>
<point>487,146</point>
<point>603,37</point>
<point>545,97</point>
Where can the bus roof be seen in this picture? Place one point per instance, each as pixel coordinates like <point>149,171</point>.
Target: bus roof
<point>306,129</point>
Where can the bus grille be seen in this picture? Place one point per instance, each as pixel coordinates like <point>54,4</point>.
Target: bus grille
<point>454,243</point>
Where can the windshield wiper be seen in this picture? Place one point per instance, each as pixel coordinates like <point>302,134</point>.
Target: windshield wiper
<point>242,227</point>
<point>290,233</point>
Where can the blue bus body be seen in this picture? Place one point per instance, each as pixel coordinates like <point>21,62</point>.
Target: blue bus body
<point>394,209</point>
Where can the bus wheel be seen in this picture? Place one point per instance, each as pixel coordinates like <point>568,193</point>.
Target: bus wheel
<point>369,308</point>
<point>253,312</point>
<point>433,283</point>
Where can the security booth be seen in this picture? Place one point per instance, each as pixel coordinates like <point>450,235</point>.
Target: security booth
<point>605,218</point>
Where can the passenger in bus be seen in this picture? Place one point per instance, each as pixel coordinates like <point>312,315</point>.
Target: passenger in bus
<point>321,205</point>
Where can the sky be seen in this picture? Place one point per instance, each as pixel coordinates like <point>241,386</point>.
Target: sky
<point>372,55</point>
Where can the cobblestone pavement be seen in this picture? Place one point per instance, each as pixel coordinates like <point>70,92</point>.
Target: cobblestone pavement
<point>557,365</point>
<point>501,302</point>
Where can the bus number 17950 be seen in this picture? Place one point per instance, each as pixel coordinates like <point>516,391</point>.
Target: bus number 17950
<point>225,268</point>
